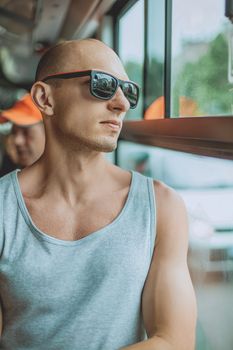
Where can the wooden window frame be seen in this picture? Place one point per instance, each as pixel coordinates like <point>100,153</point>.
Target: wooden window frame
<point>208,136</point>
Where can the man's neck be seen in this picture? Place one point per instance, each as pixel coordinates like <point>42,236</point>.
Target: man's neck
<point>69,177</point>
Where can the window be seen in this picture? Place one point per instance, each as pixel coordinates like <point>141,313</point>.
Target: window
<point>131,30</point>
<point>155,57</point>
<point>200,84</point>
<point>206,185</point>
<point>185,74</point>
<point>181,62</point>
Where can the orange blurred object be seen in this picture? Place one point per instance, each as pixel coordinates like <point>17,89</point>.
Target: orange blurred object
<point>156,110</point>
<point>24,112</point>
<point>187,108</point>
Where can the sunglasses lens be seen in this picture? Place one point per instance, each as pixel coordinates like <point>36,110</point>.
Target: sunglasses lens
<point>103,85</point>
<point>131,92</point>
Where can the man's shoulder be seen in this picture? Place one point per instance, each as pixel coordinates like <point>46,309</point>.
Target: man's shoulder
<point>6,192</point>
<point>167,195</point>
<point>6,179</point>
<point>7,185</point>
<point>6,188</point>
<point>172,215</point>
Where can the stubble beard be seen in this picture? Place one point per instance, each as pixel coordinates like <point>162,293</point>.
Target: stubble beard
<point>101,144</point>
<point>89,144</point>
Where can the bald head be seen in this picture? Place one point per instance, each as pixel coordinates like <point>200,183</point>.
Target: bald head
<point>78,55</point>
<point>80,100</point>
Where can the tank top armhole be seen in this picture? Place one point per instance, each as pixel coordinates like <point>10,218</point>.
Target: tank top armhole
<point>152,201</point>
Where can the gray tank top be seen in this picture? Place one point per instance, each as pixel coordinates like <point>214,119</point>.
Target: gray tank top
<point>74,295</point>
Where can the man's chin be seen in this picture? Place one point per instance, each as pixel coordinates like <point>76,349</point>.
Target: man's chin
<point>24,161</point>
<point>110,149</point>
<point>107,148</point>
<point>104,145</point>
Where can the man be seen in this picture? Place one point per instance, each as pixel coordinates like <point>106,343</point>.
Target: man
<point>25,144</point>
<point>78,269</point>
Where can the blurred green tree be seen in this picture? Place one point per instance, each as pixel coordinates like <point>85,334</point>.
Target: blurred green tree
<point>205,81</point>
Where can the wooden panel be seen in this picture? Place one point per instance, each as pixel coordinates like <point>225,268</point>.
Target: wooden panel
<point>209,136</point>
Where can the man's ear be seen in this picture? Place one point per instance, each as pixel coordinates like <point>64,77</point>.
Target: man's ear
<point>42,96</point>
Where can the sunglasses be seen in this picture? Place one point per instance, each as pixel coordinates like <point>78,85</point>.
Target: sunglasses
<point>103,85</point>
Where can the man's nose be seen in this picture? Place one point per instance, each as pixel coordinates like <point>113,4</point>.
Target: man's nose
<point>19,138</point>
<point>119,102</point>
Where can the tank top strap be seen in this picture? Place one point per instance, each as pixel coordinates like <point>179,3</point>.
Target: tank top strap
<point>144,201</point>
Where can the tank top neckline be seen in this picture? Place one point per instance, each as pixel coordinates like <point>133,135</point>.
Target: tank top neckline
<point>53,240</point>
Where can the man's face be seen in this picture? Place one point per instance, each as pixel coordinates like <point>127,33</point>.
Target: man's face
<point>28,142</point>
<point>82,119</point>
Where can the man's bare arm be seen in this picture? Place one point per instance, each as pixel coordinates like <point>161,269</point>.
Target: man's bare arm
<point>168,301</point>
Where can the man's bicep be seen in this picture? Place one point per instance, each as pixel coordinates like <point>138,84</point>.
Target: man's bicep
<point>169,304</point>
<point>169,307</point>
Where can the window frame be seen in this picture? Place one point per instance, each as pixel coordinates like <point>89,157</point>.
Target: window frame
<point>208,135</point>
<point>118,11</point>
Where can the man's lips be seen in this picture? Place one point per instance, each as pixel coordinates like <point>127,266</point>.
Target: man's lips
<point>114,124</point>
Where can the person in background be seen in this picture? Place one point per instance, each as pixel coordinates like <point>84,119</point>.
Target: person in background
<point>25,143</point>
